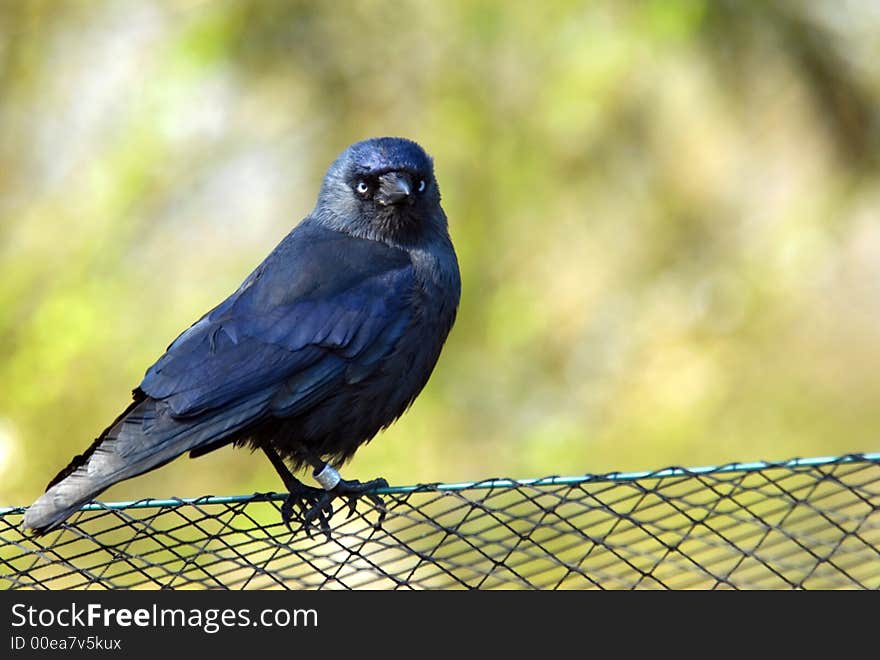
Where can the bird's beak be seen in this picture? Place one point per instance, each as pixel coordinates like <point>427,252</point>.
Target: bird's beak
<point>394,187</point>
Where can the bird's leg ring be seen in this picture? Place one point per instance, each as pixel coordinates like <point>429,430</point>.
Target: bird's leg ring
<point>328,477</point>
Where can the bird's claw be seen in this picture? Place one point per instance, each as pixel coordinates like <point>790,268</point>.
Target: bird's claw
<point>317,505</point>
<point>322,510</point>
<point>307,500</point>
<point>353,490</point>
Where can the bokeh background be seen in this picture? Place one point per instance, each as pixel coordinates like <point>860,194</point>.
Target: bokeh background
<point>667,215</point>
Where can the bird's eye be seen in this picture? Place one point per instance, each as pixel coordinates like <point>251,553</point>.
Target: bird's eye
<point>422,185</point>
<point>362,187</point>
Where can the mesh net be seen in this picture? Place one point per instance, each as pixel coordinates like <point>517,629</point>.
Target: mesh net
<point>807,523</point>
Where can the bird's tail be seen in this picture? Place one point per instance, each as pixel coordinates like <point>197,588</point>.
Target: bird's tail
<point>144,437</point>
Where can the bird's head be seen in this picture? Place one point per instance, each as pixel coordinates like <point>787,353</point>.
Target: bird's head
<point>382,189</point>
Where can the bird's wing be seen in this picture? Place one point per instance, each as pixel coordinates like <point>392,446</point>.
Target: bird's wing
<point>322,306</point>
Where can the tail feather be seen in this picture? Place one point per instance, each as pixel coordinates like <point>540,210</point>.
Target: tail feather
<point>145,437</point>
<point>81,459</point>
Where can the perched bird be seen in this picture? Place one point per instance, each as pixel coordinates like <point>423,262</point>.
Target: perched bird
<point>327,342</point>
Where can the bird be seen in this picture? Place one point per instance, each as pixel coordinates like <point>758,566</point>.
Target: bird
<point>327,342</point>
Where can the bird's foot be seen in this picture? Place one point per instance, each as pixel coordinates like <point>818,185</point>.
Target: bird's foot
<point>314,506</point>
<point>304,498</point>
<point>353,490</point>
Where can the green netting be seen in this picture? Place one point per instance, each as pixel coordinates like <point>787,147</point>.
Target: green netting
<point>805,523</point>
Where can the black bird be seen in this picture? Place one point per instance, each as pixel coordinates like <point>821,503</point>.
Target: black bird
<point>327,342</point>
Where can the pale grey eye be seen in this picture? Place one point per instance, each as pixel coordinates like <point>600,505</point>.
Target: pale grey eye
<point>422,186</point>
<point>362,187</point>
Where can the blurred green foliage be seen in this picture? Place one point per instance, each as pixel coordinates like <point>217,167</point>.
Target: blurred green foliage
<point>666,214</point>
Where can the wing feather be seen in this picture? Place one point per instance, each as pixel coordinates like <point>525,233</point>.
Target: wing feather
<point>319,301</point>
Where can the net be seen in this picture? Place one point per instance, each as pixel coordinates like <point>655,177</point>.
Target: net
<point>804,523</point>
